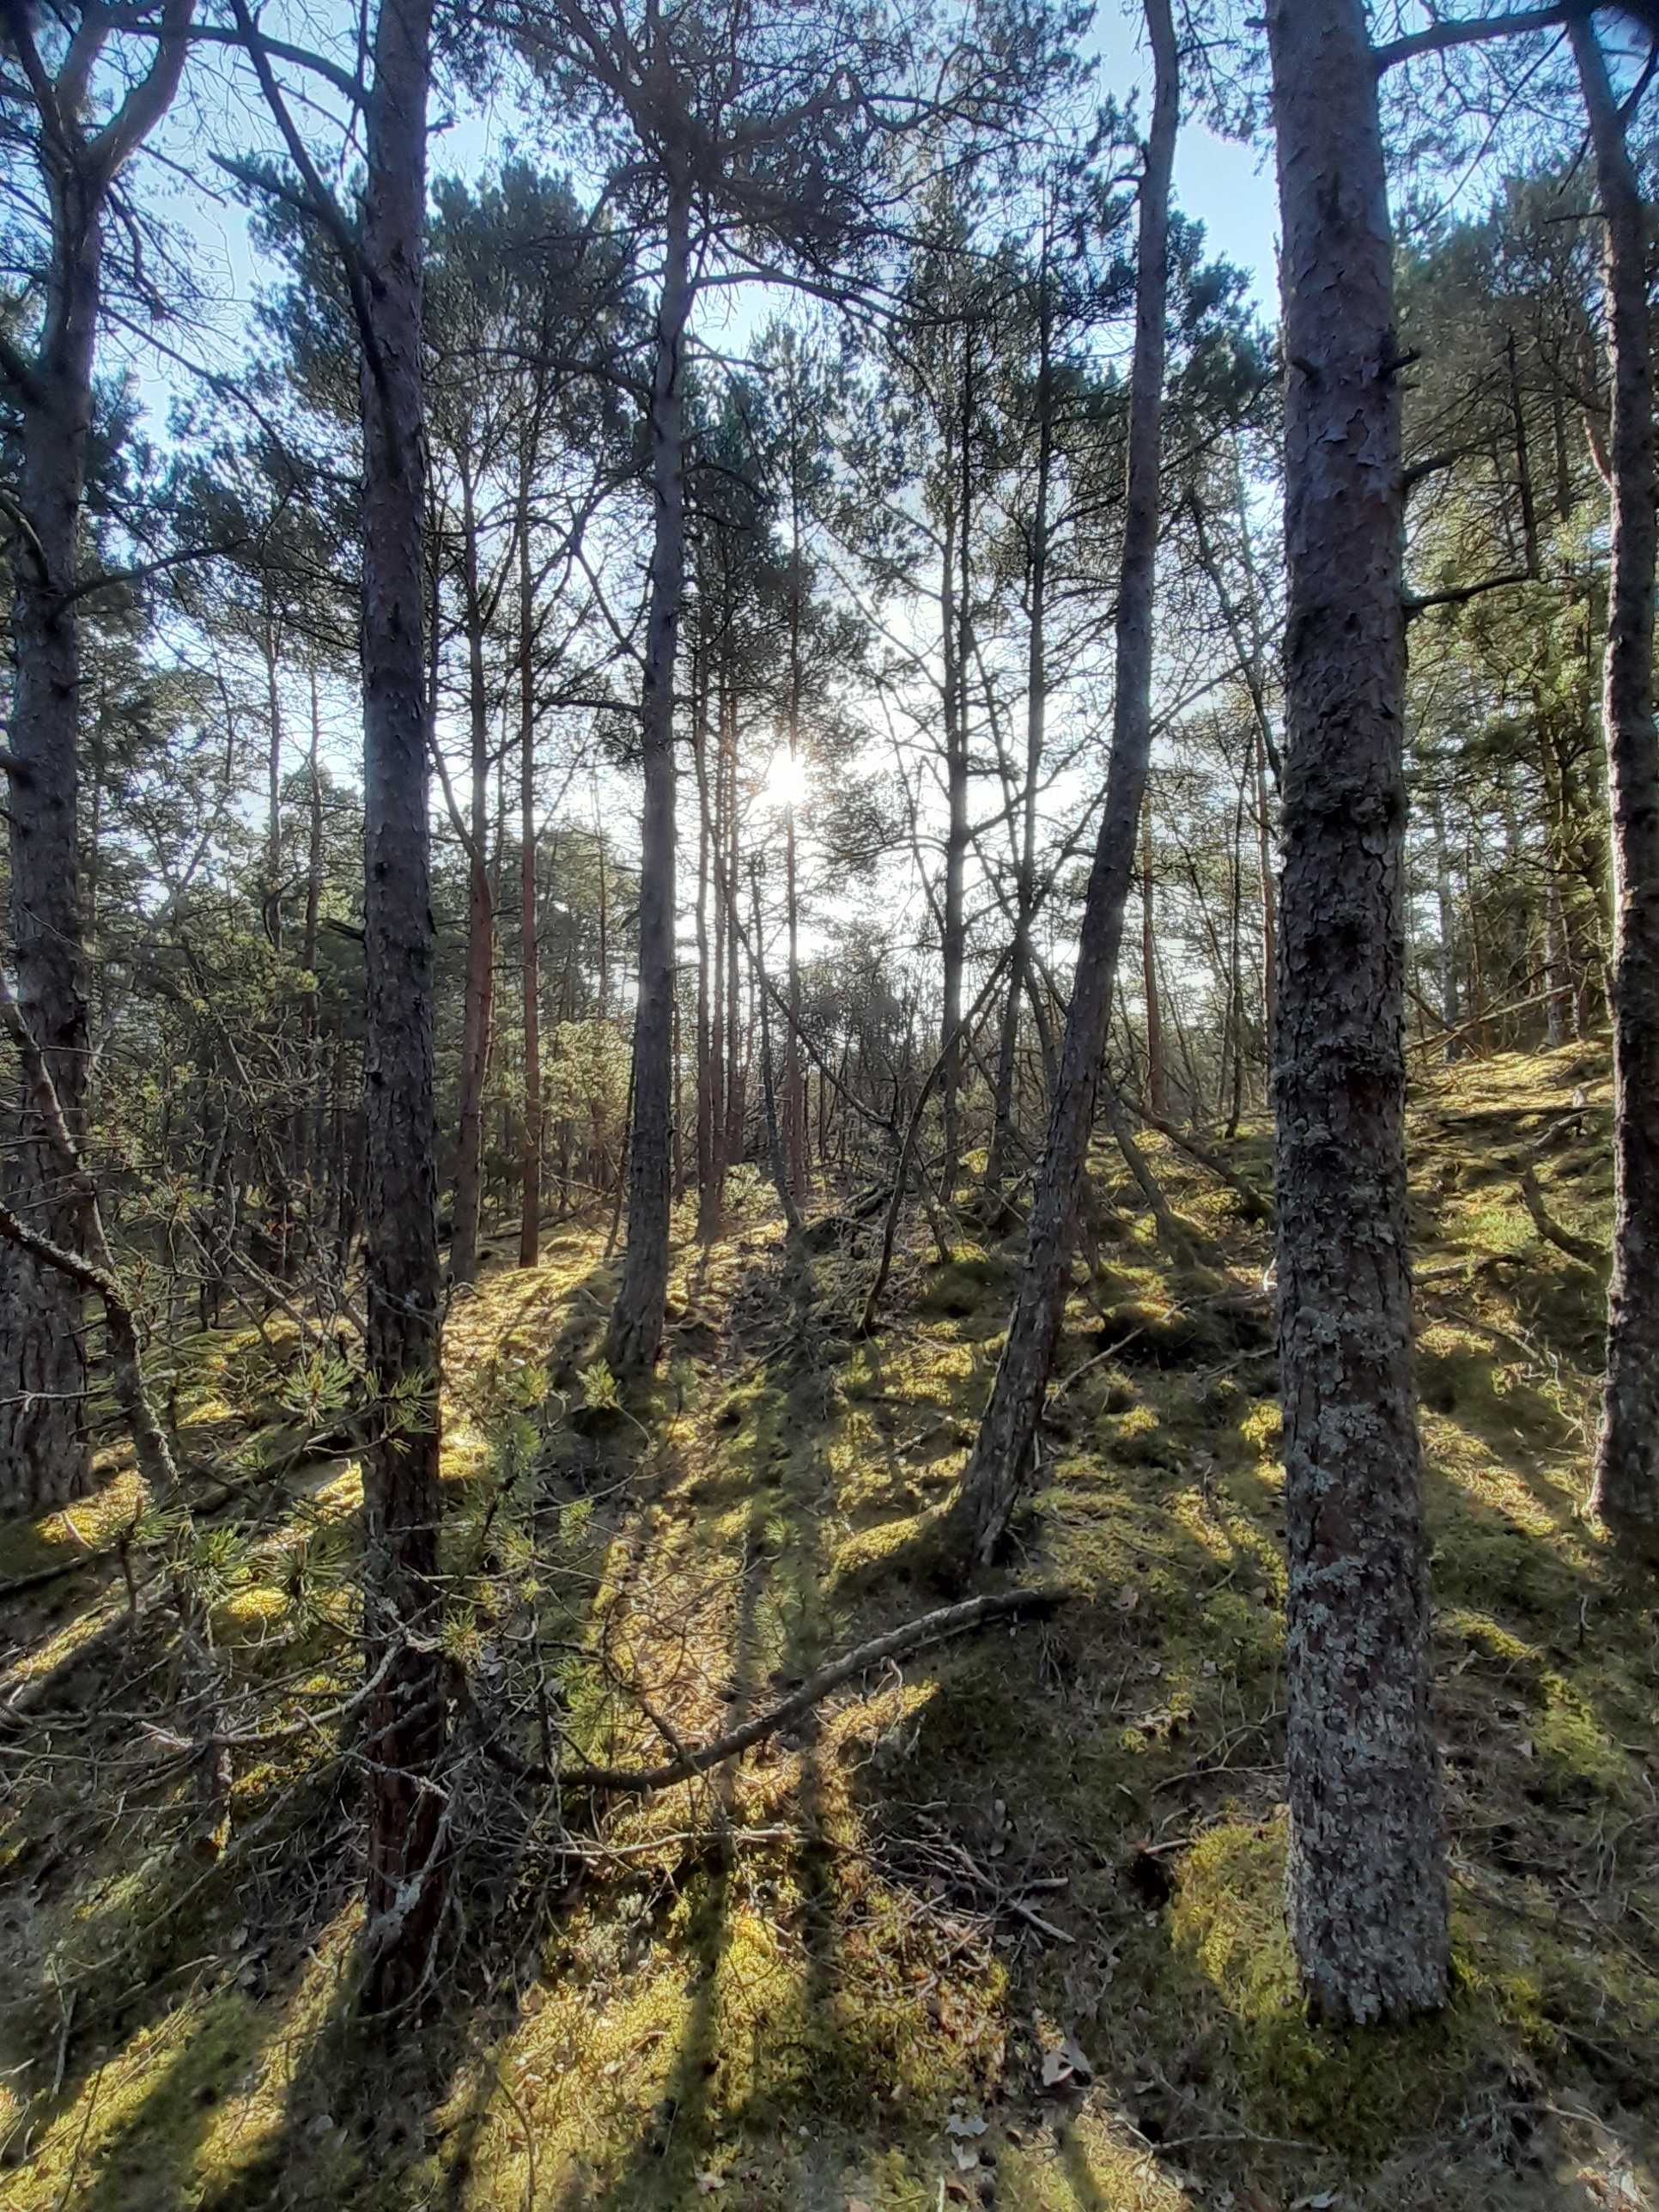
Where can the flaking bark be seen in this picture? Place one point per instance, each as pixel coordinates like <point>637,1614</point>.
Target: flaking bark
<point>1366,1880</point>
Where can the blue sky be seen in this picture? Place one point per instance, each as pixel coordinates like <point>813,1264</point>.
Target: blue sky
<point>1229,188</point>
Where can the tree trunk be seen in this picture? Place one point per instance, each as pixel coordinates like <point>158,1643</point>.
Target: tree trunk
<point>634,1337</point>
<point>529,1170</point>
<point>794,1077</point>
<point>1036,709</point>
<point>404,1742</point>
<point>708,976</point>
<point>44,1455</point>
<point>997,1467</point>
<point>478,1017</point>
<point>1366,1879</point>
<point>1625,1491</point>
<point>775,1157</point>
<point>1156,1086</point>
<point>1451,1006</point>
<point>312,1115</point>
<point>954,944</point>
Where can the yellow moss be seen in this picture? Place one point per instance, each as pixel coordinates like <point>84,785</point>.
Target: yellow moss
<point>250,1615</point>
<point>1575,1751</point>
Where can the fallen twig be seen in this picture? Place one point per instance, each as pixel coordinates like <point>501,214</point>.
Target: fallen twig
<point>914,1636</point>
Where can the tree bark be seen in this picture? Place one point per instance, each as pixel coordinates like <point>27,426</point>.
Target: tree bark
<point>406,1733</point>
<point>1036,709</point>
<point>44,1454</point>
<point>530,1172</point>
<point>1366,1880</point>
<point>634,1337</point>
<point>1625,1493</point>
<point>478,1016</point>
<point>1157,1087</point>
<point>997,1467</point>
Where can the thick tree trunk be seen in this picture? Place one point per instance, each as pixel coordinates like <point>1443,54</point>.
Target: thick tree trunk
<point>634,1337</point>
<point>1367,1890</point>
<point>44,1457</point>
<point>405,1743</point>
<point>477,1024</point>
<point>997,1467</point>
<point>1625,1491</point>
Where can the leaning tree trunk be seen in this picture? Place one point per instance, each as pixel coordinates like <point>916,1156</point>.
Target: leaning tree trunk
<point>404,1747</point>
<point>1367,1889</point>
<point>1002,1453</point>
<point>634,1337</point>
<point>1625,1493</point>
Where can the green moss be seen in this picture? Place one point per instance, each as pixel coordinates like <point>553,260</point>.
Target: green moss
<point>1349,2088</point>
<point>1575,1754</point>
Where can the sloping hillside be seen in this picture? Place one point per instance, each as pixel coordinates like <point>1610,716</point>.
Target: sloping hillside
<point>999,1926</point>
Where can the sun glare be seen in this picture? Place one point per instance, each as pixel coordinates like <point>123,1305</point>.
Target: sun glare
<point>785,781</point>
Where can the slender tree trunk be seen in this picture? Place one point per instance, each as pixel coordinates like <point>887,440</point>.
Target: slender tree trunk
<point>956,847</point>
<point>1366,1881</point>
<point>794,1080</point>
<point>636,1322</point>
<point>1523,457</point>
<point>998,1465</point>
<point>273,788</point>
<point>478,1018</point>
<point>1157,1084</point>
<point>311,1016</point>
<point>404,1744</point>
<point>1625,1491</point>
<point>530,1170</point>
<point>708,977</point>
<point>1451,1005</point>
<point>775,1157</point>
<point>1264,860</point>
<point>731,1138</point>
<point>1036,709</point>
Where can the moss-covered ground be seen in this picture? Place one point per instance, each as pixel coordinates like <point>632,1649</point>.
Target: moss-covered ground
<point>1002,1926</point>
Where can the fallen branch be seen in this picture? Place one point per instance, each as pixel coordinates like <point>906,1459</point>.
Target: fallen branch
<point>1257,1205</point>
<point>1575,1248</point>
<point>916,1634</point>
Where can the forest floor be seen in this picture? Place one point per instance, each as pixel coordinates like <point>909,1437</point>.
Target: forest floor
<point>1001,1926</point>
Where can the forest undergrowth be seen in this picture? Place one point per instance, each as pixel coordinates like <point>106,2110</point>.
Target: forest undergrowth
<point>1000,1925</point>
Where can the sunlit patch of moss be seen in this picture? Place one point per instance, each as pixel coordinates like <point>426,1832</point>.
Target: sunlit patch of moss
<point>249,1615</point>
<point>55,1651</point>
<point>1487,1637</point>
<point>1349,2088</point>
<point>1263,1428</point>
<point>341,1494</point>
<point>92,1526</point>
<point>1575,1754</point>
<point>1136,1438</point>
